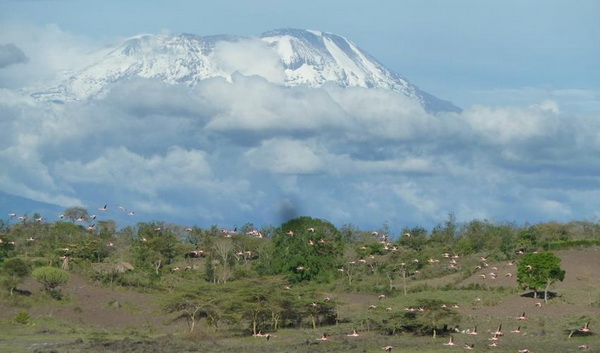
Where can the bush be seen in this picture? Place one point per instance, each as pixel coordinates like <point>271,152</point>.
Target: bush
<point>22,318</point>
<point>15,270</point>
<point>50,277</point>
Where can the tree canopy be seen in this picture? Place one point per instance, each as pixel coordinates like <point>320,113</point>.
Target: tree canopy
<point>539,270</point>
<point>304,248</point>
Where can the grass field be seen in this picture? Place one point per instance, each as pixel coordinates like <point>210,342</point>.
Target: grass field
<point>97,319</point>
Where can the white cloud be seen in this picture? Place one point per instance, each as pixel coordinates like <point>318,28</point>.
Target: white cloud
<point>507,125</point>
<point>123,169</point>
<point>49,49</point>
<point>249,57</point>
<point>284,156</point>
<point>575,100</point>
<point>252,150</point>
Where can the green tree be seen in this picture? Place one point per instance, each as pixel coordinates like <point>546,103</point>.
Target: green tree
<point>527,238</point>
<point>194,305</point>
<point>539,271</point>
<point>304,249</point>
<point>50,277</point>
<point>76,213</point>
<point>436,318</point>
<point>159,248</point>
<point>413,238</point>
<point>107,228</point>
<point>262,302</point>
<point>15,270</point>
<point>446,233</point>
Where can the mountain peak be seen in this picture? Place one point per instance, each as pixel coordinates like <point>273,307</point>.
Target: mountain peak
<point>308,57</point>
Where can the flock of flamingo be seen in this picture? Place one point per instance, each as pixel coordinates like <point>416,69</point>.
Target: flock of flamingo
<point>494,339</point>
<point>452,264</point>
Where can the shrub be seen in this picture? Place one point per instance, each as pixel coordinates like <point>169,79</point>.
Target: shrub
<point>22,318</point>
<point>50,277</point>
<point>16,270</point>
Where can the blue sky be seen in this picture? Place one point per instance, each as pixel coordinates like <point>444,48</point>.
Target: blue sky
<point>524,149</point>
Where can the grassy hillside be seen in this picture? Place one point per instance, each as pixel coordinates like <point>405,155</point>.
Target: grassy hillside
<point>138,290</point>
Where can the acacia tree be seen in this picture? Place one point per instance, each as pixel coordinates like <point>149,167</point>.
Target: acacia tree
<point>193,306</point>
<point>538,271</point>
<point>223,253</point>
<point>76,213</point>
<point>436,317</point>
<point>263,303</point>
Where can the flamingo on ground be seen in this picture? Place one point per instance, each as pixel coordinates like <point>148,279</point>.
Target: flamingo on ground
<point>586,328</point>
<point>450,342</point>
<point>474,332</point>
<point>353,334</point>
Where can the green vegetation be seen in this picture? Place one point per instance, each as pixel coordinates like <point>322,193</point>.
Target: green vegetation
<point>50,277</point>
<point>15,270</point>
<point>296,281</point>
<point>539,271</point>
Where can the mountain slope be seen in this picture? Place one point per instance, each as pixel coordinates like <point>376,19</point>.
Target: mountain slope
<point>23,206</point>
<point>307,57</point>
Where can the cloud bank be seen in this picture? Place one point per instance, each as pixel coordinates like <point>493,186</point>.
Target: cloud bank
<point>251,150</point>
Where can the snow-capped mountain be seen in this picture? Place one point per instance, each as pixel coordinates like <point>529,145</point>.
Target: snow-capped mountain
<point>308,57</point>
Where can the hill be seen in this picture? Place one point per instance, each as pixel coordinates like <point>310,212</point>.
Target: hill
<point>484,304</point>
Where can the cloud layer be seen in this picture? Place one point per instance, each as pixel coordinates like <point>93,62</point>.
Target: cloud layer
<point>252,151</point>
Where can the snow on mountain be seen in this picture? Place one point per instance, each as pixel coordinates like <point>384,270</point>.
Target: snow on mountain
<point>308,57</point>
